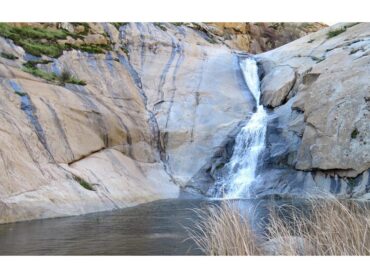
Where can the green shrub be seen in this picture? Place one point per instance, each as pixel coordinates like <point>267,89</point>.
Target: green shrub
<point>118,24</point>
<point>18,33</point>
<point>177,23</point>
<point>351,182</point>
<point>62,79</point>
<point>9,56</point>
<point>43,41</point>
<point>354,133</point>
<point>74,80</point>
<point>36,41</point>
<point>336,32</point>
<point>90,48</point>
<point>37,62</point>
<point>67,77</point>
<point>37,49</point>
<point>84,183</point>
<point>160,26</point>
<point>21,94</point>
<point>32,69</point>
<point>37,33</point>
<point>352,24</point>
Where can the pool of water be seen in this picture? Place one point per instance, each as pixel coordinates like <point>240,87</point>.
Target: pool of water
<point>156,228</point>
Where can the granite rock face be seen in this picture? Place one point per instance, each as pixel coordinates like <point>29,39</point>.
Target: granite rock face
<point>319,136</point>
<point>157,103</point>
<point>147,109</point>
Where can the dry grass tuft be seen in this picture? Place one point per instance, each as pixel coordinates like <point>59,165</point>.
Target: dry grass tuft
<point>222,230</point>
<point>330,228</point>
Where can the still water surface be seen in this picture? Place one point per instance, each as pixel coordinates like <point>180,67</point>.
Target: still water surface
<point>156,228</point>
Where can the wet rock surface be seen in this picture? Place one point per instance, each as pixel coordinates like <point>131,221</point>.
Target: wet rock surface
<point>318,141</point>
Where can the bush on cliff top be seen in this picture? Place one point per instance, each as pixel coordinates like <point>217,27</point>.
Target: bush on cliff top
<point>336,32</point>
<point>44,41</point>
<point>36,41</point>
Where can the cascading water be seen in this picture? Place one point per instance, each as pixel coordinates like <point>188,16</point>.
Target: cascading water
<point>249,143</point>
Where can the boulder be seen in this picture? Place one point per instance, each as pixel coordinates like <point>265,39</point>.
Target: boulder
<point>80,29</point>
<point>95,39</point>
<point>276,85</point>
<point>66,26</point>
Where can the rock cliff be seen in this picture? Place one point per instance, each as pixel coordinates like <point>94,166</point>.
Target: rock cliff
<point>101,116</point>
<point>104,116</point>
<point>318,90</point>
<point>317,93</point>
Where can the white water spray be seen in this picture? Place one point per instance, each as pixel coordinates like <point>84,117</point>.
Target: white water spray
<point>249,143</point>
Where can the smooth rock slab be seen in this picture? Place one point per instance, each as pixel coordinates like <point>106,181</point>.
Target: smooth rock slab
<point>276,85</point>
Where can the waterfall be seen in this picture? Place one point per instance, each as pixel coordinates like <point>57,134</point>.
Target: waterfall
<point>249,143</point>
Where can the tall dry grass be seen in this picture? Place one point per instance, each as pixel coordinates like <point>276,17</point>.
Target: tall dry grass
<point>222,230</point>
<point>331,227</point>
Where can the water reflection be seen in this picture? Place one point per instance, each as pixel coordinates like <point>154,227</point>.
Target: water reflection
<point>156,228</point>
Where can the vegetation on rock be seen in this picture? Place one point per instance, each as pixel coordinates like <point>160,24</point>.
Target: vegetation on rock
<point>336,32</point>
<point>45,41</point>
<point>177,23</point>
<point>118,24</point>
<point>125,49</point>
<point>160,26</point>
<point>32,69</point>
<point>84,183</point>
<point>21,94</point>
<point>351,182</point>
<point>62,79</point>
<point>90,48</point>
<point>354,133</point>
<point>85,25</point>
<point>67,77</point>
<point>8,56</point>
<point>36,41</point>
